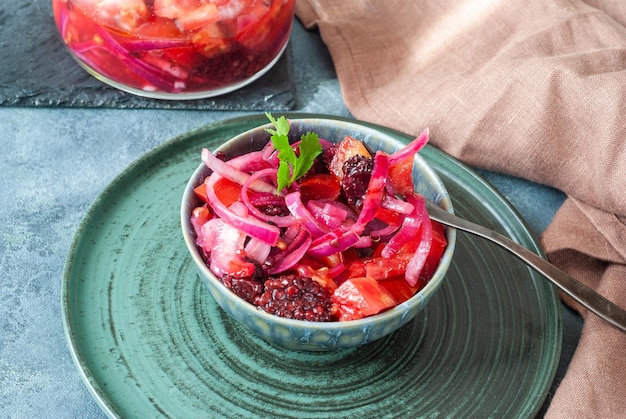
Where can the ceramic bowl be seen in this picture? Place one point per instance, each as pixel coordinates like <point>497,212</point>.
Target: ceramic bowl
<point>319,336</point>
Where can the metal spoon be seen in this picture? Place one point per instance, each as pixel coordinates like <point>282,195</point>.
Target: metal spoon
<point>575,289</point>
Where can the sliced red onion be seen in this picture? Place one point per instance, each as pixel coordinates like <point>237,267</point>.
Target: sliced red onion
<point>293,254</point>
<point>336,270</point>
<point>418,260</point>
<point>239,209</point>
<point>363,242</point>
<point>329,216</point>
<point>375,190</point>
<point>249,162</point>
<point>394,204</point>
<point>147,72</point>
<point>232,173</point>
<point>410,149</point>
<point>407,232</point>
<point>263,198</point>
<point>333,242</point>
<point>291,232</point>
<point>281,221</point>
<point>270,155</point>
<point>249,225</point>
<point>335,210</point>
<point>385,231</point>
<point>298,210</point>
<point>338,209</point>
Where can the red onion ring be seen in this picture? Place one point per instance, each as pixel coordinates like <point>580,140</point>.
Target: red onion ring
<point>232,173</point>
<point>249,225</point>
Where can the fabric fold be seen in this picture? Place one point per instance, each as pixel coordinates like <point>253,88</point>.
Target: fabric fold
<point>534,89</point>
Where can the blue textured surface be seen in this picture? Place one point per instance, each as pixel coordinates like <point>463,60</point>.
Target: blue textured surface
<point>54,162</point>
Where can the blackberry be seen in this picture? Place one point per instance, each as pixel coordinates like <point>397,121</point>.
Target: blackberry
<point>357,171</point>
<point>246,288</point>
<point>295,297</point>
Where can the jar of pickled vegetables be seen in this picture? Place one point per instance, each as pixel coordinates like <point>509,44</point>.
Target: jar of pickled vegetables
<point>175,49</point>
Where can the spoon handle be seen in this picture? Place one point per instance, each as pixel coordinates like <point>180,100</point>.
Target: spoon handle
<point>575,289</point>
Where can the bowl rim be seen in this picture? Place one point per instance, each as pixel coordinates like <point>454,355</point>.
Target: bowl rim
<point>400,310</point>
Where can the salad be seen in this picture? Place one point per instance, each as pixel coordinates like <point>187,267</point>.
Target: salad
<point>174,46</point>
<point>315,230</point>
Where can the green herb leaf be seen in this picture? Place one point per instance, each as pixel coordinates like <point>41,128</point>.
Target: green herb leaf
<point>292,166</point>
<point>283,176</point>
<point>310,148</point>
<point>281,124</point>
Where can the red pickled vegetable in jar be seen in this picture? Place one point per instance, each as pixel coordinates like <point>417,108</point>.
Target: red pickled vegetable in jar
<point>175,49</point>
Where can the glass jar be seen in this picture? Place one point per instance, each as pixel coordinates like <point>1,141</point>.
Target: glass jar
<point>175,49</point>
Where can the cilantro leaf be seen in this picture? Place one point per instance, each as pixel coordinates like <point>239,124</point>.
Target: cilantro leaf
<point>310,148</point>
<point>281,124</point>
<point>292,166</point>
<point>283,176</point>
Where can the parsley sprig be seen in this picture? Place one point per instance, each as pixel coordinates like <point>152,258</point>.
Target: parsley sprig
<point>292,166</point>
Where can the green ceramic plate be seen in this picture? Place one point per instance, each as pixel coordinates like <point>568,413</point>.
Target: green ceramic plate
<point>149,341</point>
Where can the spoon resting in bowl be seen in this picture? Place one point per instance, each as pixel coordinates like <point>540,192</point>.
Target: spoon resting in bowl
<point>584,295</point>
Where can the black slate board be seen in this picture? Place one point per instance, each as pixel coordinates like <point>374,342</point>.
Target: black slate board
<point>37,70</point>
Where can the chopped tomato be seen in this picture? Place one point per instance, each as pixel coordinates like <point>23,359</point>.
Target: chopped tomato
<point>381,268</point>
<point>384,269</point>
<point>399,288</point>
<point>354,269</point>
<point>121,15</point>
<point>401,176</point>
<point>360,297</point>
<point>200,192</point>
<point>320,186</point>
<point>377,267</point>
<point>226,190</point>
<point>388,216</point>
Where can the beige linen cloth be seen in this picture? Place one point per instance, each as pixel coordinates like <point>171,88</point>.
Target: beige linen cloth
<point>534,88</point>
